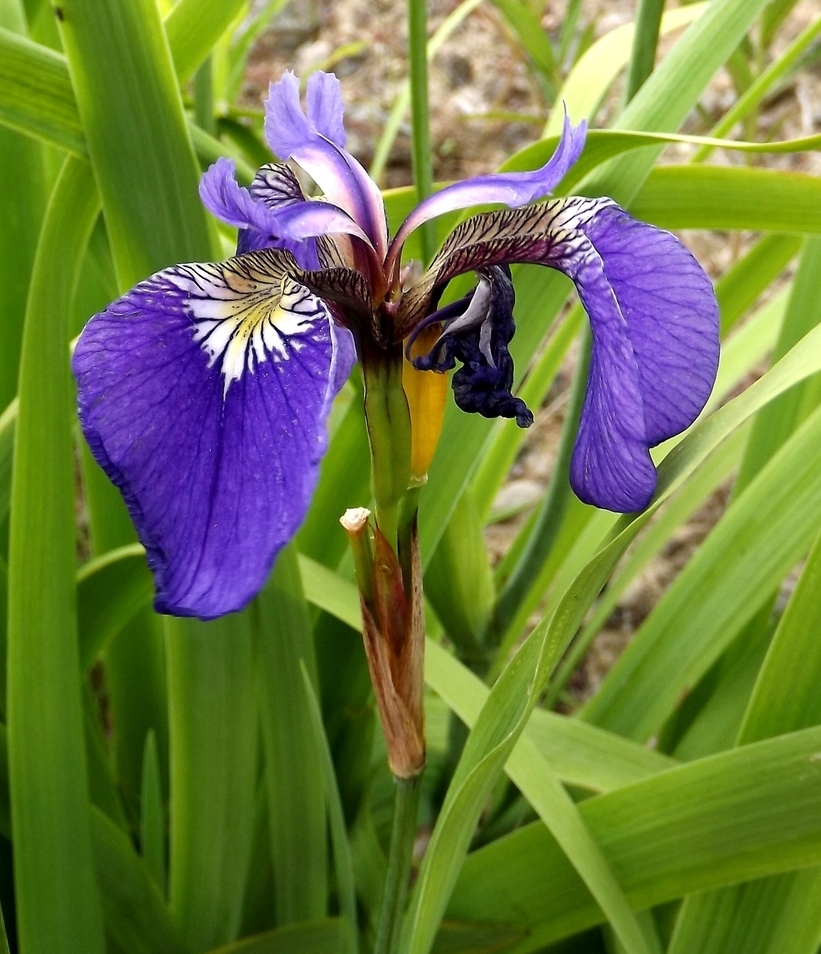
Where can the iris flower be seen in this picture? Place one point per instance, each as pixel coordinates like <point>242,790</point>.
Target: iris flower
<point>204,392</point>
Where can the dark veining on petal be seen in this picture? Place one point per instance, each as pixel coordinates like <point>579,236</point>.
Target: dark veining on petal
<point>530,234</point>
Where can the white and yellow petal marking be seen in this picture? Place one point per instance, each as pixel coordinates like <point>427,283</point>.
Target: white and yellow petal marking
<point>244,315</point>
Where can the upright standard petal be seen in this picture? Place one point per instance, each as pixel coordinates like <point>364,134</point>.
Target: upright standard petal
<point>225,198</point>
<point>324,106</point>
<point>313,141</point>
<point>653,316</point>
<point>512,189</point>
<point>204,394</point>
<point>273,213</point>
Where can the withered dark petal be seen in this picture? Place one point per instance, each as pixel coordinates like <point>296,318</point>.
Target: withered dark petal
<point>478,336</point>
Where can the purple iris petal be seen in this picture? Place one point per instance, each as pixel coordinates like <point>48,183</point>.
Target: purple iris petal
<point>269,214</point>
<point>276,185</point>
<point>312,141</point>
<point>204,394</point>
<point>252,213</point>
<point>308,219</point>
<point>654,319</point>
<point>323,101</point>
<point>225,198</point>
<point>653,315</point>
<point>252,240</point>
<point>512,189</point>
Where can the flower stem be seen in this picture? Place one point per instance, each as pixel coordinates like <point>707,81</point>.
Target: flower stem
<point>399,864</point>
<point>204,97</point>
<point>389,431</point>
<point>420,116</point>
<point>387,519</point>
<point>408,509</point>
<point>643,55</point>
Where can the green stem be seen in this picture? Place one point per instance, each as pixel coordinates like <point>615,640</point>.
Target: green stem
<point>387,519</point>
<point>643,55</point>
<point>389,432</point>
<point>420,117</point>
<point>408,509</point>
<point>400,103</point>
<point>204,97</point>
<point>399,864</point>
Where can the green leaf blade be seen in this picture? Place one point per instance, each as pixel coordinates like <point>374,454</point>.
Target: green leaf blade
<point>58,905</point>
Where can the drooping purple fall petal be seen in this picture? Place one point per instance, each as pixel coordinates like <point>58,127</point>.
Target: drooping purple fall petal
<point>204,394</point>
<point>654,320</point>
<point>308,140</point>
<point>512,189</point>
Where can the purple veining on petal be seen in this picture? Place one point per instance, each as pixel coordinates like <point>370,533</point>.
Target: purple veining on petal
<point>214,439</point>
<point>506,188</point>
<point>654,318</point>
<point>275,185</point>
<point>292,134</point>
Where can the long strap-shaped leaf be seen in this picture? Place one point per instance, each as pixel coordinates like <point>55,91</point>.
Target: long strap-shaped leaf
<point>37,97</point>
<point>667,97</point>
<point>130,104</point>
<point>213,726</point>
<point>294,771</point>
<point>132,115</point>
<point>712,822</point>
<point>135,914</point>
<point>343,863</point>
<point>21,211</point>
<point>707,197</point>
<point>193,27</point>
<point>762,536</point>
<point>57,903</point>
<point>782,913</point>
<point>597,69</point>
